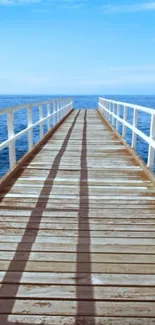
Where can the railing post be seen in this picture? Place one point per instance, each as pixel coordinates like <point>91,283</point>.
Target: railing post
<point>66,108</point>
<point>134,135</point>
<point>40,118</point>
<point>103,111</point>
<point>54,113</point>
<point>59,107</point>
<point>99,104</point>
<point>107,107</point>
<point>113,119</point>
<point>118,114</point>
<point>124,126</point>
<point>48,114</point>
<point>70,106</point>
<point>62,106</point>
<point>12,150</point>
<point>62,112</point>
<point>151,154</point>
<point>110,117</point>
<point>30,132</point>
<point>57,111</point>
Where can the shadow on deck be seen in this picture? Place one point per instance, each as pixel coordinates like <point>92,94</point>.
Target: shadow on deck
<point>29,237</point>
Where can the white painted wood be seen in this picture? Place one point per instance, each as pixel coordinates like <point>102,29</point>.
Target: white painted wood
<point>118,114</point>
<point>134,135</point>
<point>151,154</point>
<point>61,114</point>
<point>30,132</point>
<point>48,114</point>
<point>41,123</point>
<point>113,110</point>
<point>12,151</point>
<point>125,118</point>
<point>106,105</point>
<point>54,113</point>
<point>138,107</point>
<point>58,111</point>
<point>106,112</point>
<point>63,109</point>
<point>66,107</point>
<point>109,108</point>
<point>12,137</point>
<point>138,132</point>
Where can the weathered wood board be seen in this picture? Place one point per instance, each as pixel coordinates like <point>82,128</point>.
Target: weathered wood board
<point>77,232</point>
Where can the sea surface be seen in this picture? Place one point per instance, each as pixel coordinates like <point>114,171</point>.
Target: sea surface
<point>87,102</point>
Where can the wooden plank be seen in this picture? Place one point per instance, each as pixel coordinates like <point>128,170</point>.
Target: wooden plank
<point>113,212</point>
<point>84,257</point>
<point>50,222</point>
<point>70,292</point>
<point>48,307</point>
<point>112,279</point>
<point>74,226</point>
<point>83,240</point>
<point>39,266</point>
<point>77,231</point>
<point>68,247</point>
<point>93,190</point>
<point>117,212</point>
<point>106,193</point>
<point>135,198</point>
<point>74,204</point>
<point>69,320</point>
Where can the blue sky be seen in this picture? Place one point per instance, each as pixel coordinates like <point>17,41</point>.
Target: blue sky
<point>77,47</point>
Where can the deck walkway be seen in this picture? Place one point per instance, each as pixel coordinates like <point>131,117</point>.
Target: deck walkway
<point>77,233</point>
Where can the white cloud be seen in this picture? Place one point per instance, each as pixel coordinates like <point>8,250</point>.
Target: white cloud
<point>17,2</point>
<point>74,4</point>
<point>136,69</point>
<point>70,4</point>
<point>135,7</point>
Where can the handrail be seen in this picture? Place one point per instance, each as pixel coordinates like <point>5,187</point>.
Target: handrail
<point>111,111</point>
<point>137,107</point>
<point>60,108</point>
<point>18,107</point>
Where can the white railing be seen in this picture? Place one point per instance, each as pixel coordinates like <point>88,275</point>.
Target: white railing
<point>55,110</point>
<point>111,111</point>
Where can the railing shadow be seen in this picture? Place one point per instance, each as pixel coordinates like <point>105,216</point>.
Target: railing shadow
<point>84,267</point>
<point>29,236</point>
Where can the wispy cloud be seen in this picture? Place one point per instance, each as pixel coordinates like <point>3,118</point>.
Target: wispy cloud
<point>136,69</point>
<point>72,4</point>
<point>17,2</point>
<point>143,6</point>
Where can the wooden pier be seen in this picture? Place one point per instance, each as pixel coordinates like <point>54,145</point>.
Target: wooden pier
<point>77,230</point>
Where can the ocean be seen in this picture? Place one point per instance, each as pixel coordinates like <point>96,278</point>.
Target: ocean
<point>79,102</point>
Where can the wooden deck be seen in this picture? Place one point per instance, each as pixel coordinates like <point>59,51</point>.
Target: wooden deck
<point>77,232</point>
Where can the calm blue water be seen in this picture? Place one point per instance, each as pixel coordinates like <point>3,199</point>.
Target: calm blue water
<point>79,102</point>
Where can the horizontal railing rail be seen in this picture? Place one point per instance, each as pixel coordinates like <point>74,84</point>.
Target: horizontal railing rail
<point>55,109</point>
<point>111,111</point>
